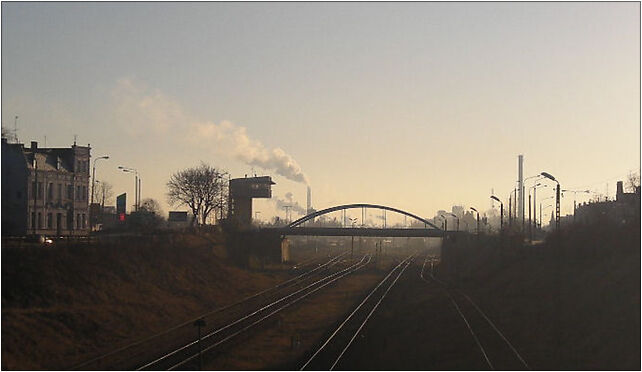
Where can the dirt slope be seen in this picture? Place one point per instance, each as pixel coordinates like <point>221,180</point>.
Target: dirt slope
<point>62,305</point>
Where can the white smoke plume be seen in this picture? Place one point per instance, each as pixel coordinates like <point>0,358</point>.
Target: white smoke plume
<point>150,111</point>
<point>234,138</point>
<point>282,203</point>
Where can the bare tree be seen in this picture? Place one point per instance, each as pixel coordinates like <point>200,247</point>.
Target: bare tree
<point>633,181</point>
<point>202,189</point>
<point>103,190</point>
<point>151,206</point>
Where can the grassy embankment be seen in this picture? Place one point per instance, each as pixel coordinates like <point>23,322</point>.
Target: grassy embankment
<point>63,305</point>
<point>570,303</point>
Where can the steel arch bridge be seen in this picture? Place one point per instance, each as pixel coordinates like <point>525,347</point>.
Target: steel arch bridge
<point>295,228</point>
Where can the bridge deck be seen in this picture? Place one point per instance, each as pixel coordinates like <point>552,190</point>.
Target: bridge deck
<point>351,231</point>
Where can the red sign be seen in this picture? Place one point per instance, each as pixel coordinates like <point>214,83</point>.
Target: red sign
<point>121,217</point>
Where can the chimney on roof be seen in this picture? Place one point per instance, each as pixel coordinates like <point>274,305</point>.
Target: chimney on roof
<point>620,189</point>
<point>34,145</point>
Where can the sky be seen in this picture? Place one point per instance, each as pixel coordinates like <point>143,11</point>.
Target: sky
<point>417,106</point>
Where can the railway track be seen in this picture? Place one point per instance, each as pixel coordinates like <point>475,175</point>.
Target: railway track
<point>188,355</point>
<point>329,354</point>
<point>128,356</point>
<point>495,348</point>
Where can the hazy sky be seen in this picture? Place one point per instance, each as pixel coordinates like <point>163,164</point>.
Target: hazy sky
<point>417,106</point>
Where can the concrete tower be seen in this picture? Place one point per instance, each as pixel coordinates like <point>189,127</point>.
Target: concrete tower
<point>309,201</point>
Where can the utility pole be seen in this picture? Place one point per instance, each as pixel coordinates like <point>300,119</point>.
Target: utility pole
<point>522,206</point>
<point>352,247</point>
<point>535,205</point>
<point>530,224</point>
<point>140,191</point>
<point>35,193</point>
<point>510,210</point>
<point>557,199</point>
<point>287,213</point>
<point>15,129</point>
<point>199,324</point>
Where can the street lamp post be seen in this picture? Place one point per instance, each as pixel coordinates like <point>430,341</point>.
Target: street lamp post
<point>501,212</point>
<point>510,208</point>
<point>535,201</point>
<point>353,221</point>
<point>93,185</point>
<point>532,224</point>
<point>529,202</point>
<point>136,183</point>
<point>557,199</point>
<point>575,198</point>
<point>540,212</point>
<point>477,218</point>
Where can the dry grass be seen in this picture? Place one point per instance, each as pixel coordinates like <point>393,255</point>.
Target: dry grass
<point>63,305</point>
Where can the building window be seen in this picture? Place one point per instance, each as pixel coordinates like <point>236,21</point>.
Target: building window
<point>60,191</point>
<point>33,220</point>
<point>40,190</point>
<point>84,223</point>
<point>78,193</point>
<point>84,193</point>
<point>50,191</point>
<point>39,220</point>
<point>78,221</point>
<point>49,221</point>
<point>33,189</point>
<point>70,192</point>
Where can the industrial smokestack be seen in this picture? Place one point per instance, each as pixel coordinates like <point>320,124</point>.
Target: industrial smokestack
<point>309,201</point>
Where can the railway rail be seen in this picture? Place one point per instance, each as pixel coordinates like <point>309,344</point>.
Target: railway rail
<point>188,355</point>
<point>126,357</point>
<point>495,348</point>
<point>329,354</point>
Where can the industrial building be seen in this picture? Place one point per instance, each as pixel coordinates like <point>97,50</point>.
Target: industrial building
<point>45,191</point>
<point>625,209</point>
<point>242,191</point>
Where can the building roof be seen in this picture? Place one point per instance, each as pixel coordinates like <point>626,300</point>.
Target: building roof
<point>47,159</point>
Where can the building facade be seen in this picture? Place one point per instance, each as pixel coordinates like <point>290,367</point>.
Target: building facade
<point>624,209</point>
<point>45,191</point>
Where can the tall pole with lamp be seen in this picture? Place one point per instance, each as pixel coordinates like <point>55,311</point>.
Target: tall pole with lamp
<point>575,198</point>
<point>501,212</point>
<point>557,199</point>
<point>93,187</point>
<point>136,183</point>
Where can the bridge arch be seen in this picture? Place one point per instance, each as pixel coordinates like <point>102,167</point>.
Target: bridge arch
<point>359,205</point>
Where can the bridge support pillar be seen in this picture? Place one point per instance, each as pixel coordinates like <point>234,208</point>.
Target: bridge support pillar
<point>285,250</point>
